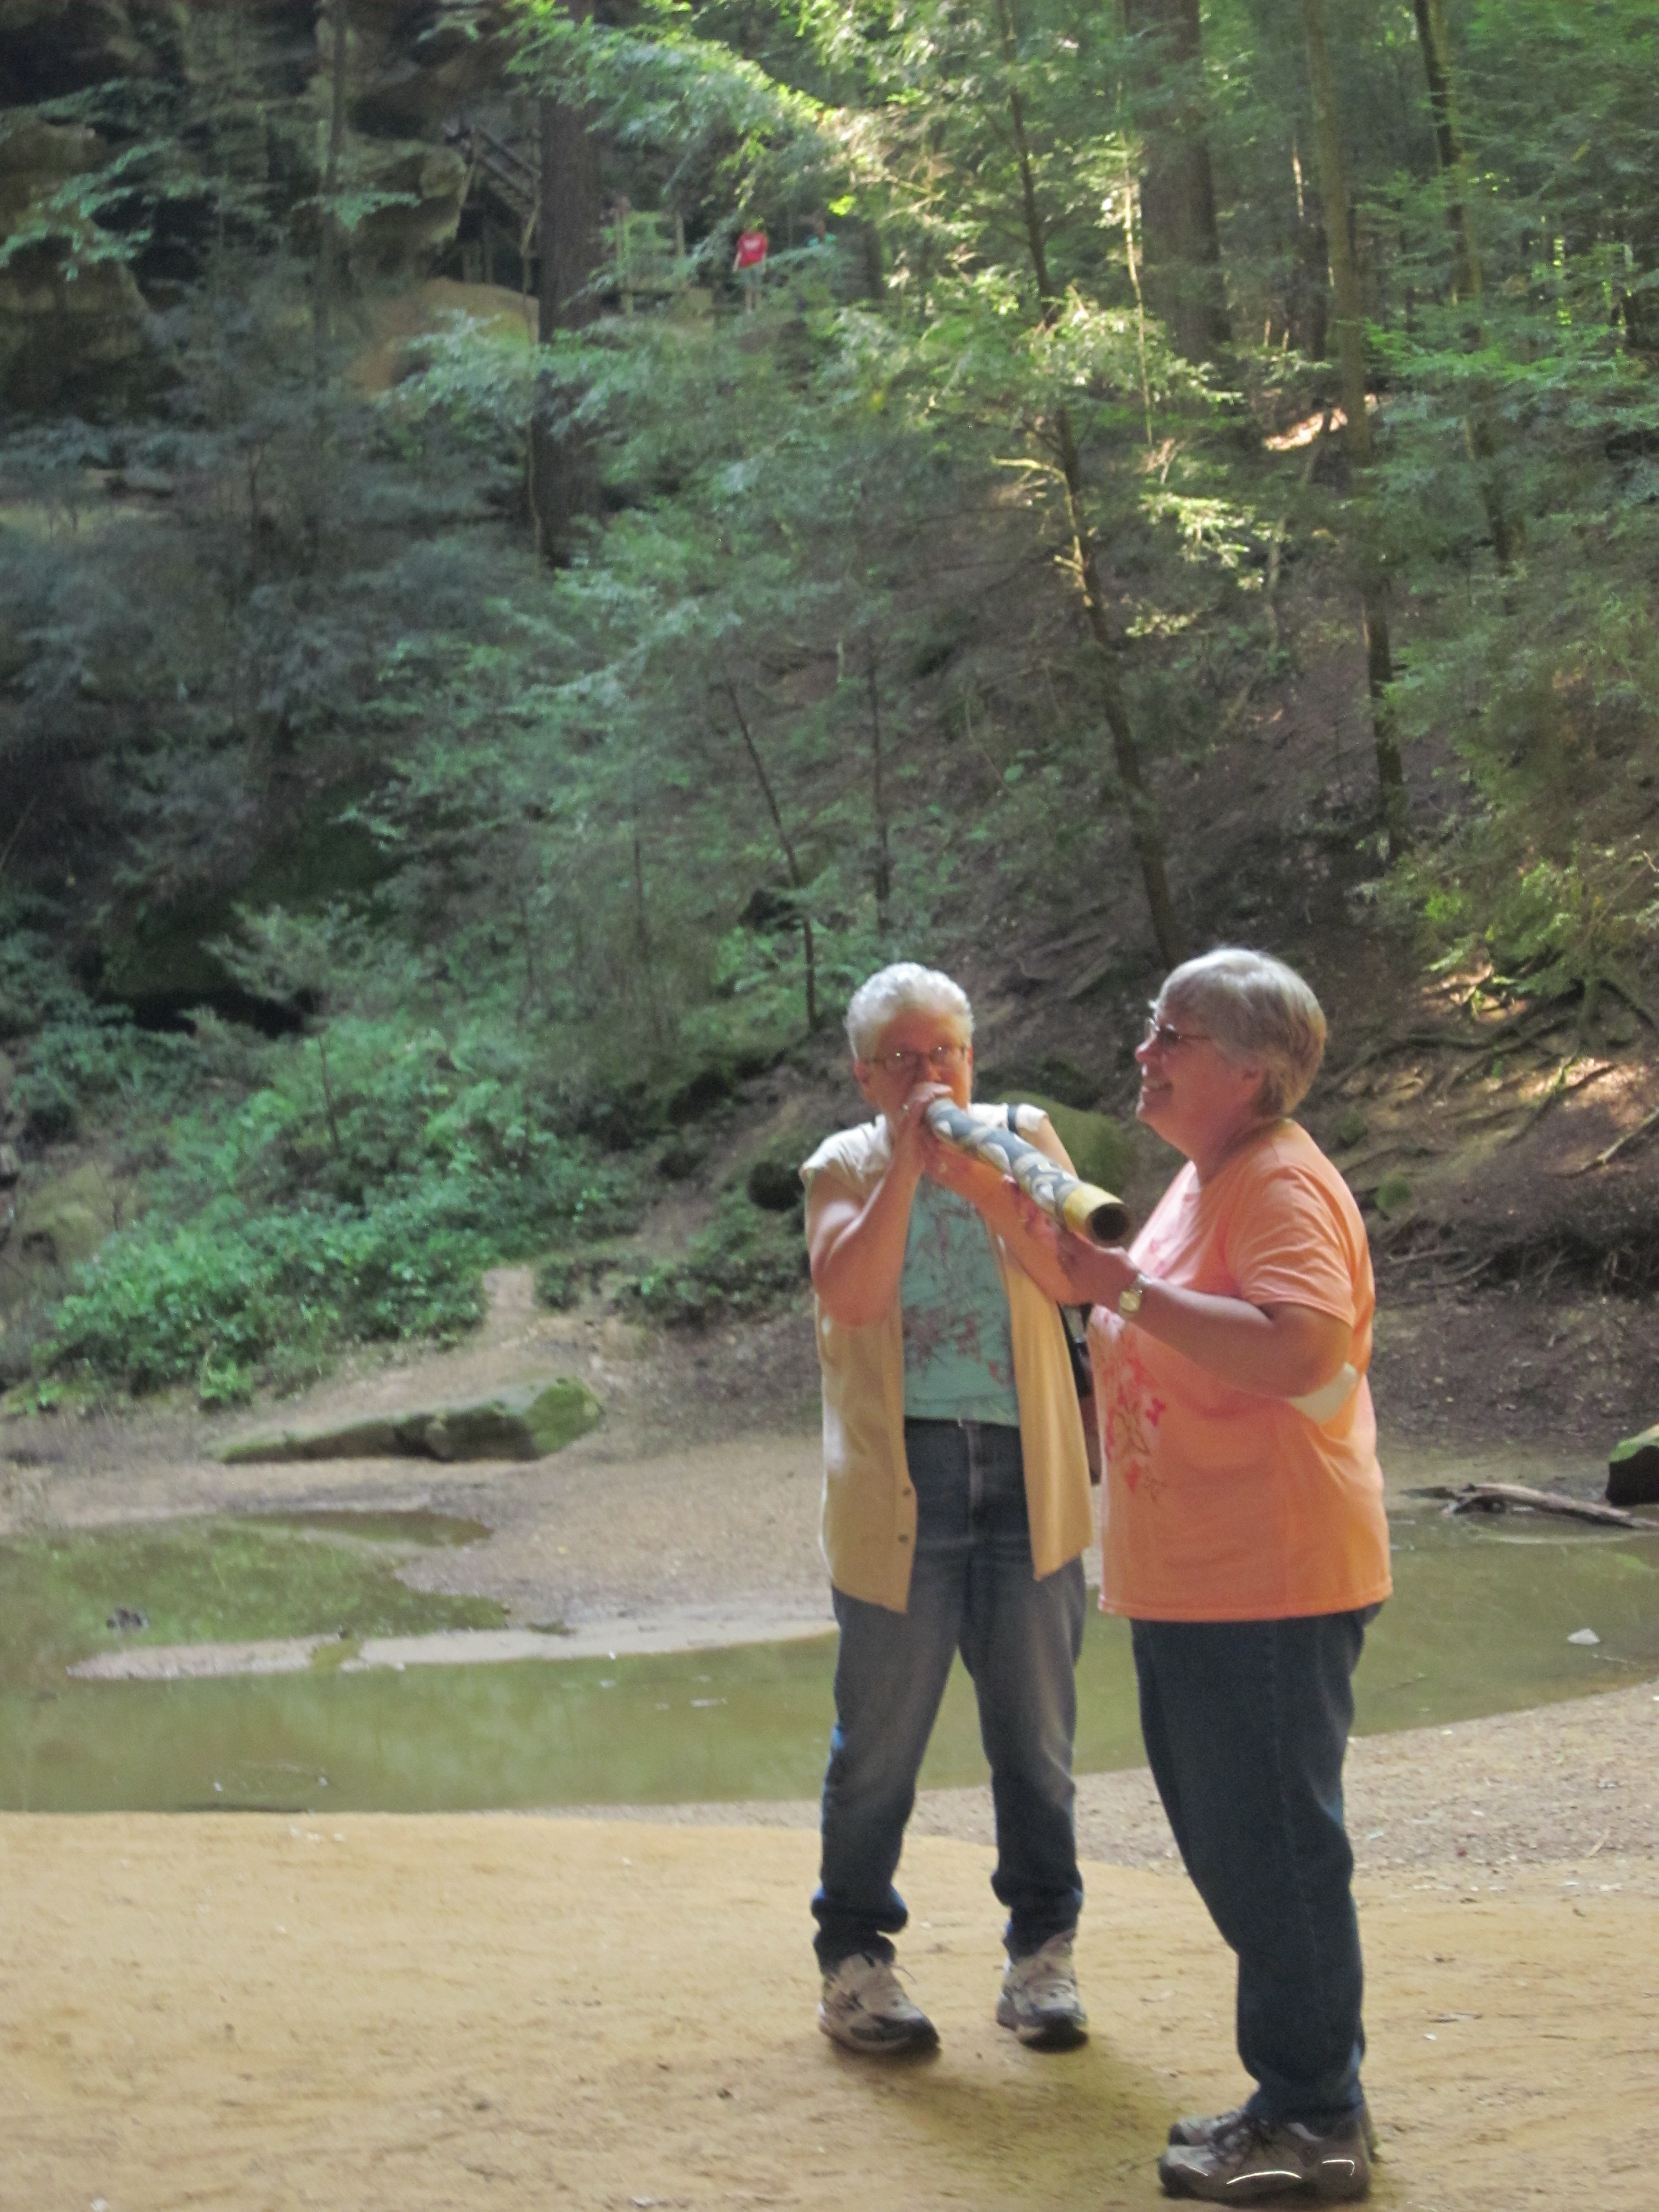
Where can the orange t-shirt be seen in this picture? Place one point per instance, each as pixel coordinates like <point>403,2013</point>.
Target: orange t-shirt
<point>1219,1504</point>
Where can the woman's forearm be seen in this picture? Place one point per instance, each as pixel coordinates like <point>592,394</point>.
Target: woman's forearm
<point>856,1249</point>
<point>1278,1351</point>
<point>1032,1251</point>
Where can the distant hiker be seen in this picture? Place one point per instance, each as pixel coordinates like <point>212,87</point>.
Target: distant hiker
<point>1246,1543</point>
<point>750,263</point>
<point>956,1506</point>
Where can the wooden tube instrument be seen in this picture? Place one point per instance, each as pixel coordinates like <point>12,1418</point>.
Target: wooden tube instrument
<point>1081,1206</point>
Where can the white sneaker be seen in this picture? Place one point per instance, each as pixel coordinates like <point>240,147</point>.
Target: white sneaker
<point>1039,1999</point>
<point>864,2008</point>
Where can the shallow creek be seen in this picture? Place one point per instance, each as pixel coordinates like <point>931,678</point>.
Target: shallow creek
<point>1482,1621</point>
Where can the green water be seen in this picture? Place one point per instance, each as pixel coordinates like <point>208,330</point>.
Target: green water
<point>1479,1624</point>
<point>220,1580</point>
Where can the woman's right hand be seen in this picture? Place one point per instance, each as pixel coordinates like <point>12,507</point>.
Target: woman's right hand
<point>916,1149</point>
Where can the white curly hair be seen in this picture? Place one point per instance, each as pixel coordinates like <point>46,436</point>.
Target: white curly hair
<point>905,987</point>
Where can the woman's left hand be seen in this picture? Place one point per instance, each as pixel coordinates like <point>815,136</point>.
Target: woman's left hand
<point>1096,1272</point>
<point>1099,1273</point>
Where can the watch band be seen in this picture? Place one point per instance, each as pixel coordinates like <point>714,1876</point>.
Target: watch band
<point>1128,1299</point>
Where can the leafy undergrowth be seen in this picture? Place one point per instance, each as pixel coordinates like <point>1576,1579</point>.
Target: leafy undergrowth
<point>316,1192</point>
<point>747,1262</point>
<point>197,1582</point>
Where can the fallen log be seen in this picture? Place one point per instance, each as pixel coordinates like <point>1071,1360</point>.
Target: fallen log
<point>1499,1497</point>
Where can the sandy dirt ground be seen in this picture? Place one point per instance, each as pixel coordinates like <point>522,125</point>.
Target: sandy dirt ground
<point>253,2012</point>
<point>416,2014</point>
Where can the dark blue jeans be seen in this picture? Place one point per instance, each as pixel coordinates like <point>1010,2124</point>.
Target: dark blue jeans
<point>972,1591</point>
<point>1246,1724</point>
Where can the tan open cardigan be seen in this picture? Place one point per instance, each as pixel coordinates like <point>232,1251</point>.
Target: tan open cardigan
<point>869,1526</point>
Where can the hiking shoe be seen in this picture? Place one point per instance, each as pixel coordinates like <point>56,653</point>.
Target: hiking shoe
<point>1192,2129</point>
<point>1250,2161</point>
<point>1039,1999</point>
<point>864,2009</point>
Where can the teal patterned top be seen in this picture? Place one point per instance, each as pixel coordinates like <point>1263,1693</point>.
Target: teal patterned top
<point>958,1346</point>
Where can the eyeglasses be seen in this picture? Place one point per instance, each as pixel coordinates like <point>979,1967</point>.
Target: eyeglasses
<point>1161,1037</point>
<point>938,1058</point>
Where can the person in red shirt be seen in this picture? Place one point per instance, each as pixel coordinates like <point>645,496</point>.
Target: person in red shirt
<point>750,263</point>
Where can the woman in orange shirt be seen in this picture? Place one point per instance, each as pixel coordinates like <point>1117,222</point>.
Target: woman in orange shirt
<point>1245,1539</point>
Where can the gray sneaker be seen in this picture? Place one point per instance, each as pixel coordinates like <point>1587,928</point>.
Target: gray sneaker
<point>1251,2160</point>
<point>864,2009</point>
<point>1039,1999</point>
<point>1192,2128</point>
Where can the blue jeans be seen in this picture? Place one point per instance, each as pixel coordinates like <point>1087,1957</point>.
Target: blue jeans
<point>972,1591</point>
<point>1246,1724</point>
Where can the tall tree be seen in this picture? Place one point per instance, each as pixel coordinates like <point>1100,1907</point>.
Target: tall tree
<point>1480,430</point>
<point>331,258</point>
<point>1181,242</point>
<point>1058,435</point>
<point>1447,144</point>
<point>564,484</point>
<point>1351,357</point>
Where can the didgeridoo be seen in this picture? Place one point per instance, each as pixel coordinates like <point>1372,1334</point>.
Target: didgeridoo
<point>1081,1207</point>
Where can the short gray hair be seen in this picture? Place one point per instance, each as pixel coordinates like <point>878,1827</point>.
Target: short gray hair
<point>1255,1008</point>
<point>905,987</point>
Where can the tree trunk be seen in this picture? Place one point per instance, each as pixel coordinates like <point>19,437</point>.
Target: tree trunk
<point>1350,356</point>
<point>884,868</point>
<point>1036,244</point>
<point>1181,245</point>
<point>563,480</point>
<point>1448,145</point>
<point>331,252</point>
<point>1481,429</point>
<point>785,845</point>
<point>1145,829</point>
<point>1308,287</point>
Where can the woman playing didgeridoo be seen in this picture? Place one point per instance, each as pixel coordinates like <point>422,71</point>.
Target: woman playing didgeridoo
<point>956,1508</point>
<point>1245,1541</point>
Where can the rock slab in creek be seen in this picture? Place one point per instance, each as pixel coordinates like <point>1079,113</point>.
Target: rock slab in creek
<point>528,1422</point>
<point>1633,1470</point>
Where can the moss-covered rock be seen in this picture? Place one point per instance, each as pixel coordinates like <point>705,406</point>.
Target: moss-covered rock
<point>1102,1151</point>
<point>530,1422</point>
<point>1633,1470</point>
<point>59,1222</point>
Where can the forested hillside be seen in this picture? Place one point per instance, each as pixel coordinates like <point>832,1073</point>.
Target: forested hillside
<point>479,682</point>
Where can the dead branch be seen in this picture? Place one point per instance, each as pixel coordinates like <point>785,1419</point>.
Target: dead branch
<point>1637,1004</point>
<point>1501,1034</point>
<point>1500,1496</point>
<point>1559,1088</point>
<point>1629,1137</point>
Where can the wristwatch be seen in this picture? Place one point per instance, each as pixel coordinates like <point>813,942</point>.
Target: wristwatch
<point>1128,1300</point>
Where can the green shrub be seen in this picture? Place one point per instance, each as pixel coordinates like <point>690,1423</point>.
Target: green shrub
<point>774,1186</point>
<point>358,1194</point>
<point>76,1056</point>
<point>213,1300</point>
<point>560,1279</point>
<point>746,1262</point>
